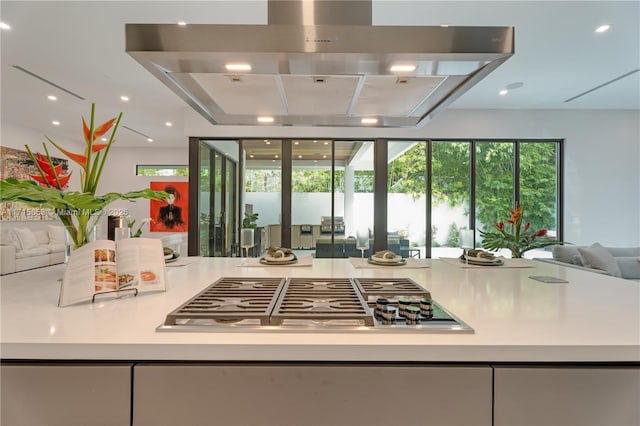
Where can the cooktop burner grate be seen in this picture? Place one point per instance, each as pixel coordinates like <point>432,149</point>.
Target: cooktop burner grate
<point>230,300</point>
<point>372,288</point>
<point>321,301</point>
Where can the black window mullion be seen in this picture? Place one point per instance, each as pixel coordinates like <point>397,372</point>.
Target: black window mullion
<point>287,168</point>
<point>428,198</point>
<point>380,172</point>
<point>516,174</point>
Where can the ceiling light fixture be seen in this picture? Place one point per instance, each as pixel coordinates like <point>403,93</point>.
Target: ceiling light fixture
<point>299,156</point>
<point>503,92</point>
<point>149,140</point>
<point>369,120</point>
<point>403,68</point>
<point>168,124</point>
<point>182,23</point>
<point>238,67</point>
<point>4,26</point>
<point>52,98</point>
<point>124,98</point>
<point>326,142</point>
<point>265,119</point>
<point>603,28</point>
<point>55,123</point>
<point>296,143</point>
<point>251,156</point>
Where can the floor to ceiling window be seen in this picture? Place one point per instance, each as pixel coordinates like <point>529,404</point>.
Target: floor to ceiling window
<point>450,195</point>
<point>262,190</point>
<point>406,197</point>
<point>318,195</point>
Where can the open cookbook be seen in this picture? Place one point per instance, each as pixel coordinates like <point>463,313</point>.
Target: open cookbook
<point>105,266</point>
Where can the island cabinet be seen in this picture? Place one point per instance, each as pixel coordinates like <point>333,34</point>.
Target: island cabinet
<point>66,394</point>
<point>312,394</point>
<point>568,396</point>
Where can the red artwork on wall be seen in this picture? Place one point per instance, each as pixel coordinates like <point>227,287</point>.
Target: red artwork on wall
<point>171,215</point>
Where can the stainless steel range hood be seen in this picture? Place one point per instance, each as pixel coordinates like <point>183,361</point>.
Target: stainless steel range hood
<point>320,74</point>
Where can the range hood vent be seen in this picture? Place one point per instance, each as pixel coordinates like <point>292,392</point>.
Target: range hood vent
<point>304,72</point>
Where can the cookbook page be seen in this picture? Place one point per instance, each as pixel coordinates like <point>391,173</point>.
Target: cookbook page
<point>91,269</point>
<point>140,264</point>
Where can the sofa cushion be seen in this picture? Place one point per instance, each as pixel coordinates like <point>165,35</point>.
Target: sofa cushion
<point>37,251</point>
<point>624,251</point>
<point>26,238</point>
<point>629,267</point>
<point>564,254</point>
<point>599,257</point>
<point>41,237</point>
<point>56,234</point>
<point>54,248</point>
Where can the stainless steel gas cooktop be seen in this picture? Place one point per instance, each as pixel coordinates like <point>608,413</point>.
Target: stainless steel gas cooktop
<point>314,304</point>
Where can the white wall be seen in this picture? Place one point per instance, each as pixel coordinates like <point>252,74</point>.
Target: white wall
<point>601,169</point>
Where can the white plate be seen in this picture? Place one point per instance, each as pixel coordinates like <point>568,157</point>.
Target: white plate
<point>287,258</point>
<point>383,260</point>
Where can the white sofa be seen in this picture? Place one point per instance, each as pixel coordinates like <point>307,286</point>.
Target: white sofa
<point>621,262</point>
<point>30,246</point>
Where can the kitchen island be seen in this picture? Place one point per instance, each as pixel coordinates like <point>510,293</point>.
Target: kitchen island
<point>582,336</point>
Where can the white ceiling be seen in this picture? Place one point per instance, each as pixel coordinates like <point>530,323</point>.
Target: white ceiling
<point>79,45</point>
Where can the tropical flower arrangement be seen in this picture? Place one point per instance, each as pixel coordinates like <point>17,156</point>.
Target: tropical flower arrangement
<point>80,211</point>
<point>514,237</point>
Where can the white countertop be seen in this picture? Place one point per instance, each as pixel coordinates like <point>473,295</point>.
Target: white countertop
<point>593,318</point>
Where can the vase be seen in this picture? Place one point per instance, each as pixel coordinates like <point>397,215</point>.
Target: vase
<point>86,236</point>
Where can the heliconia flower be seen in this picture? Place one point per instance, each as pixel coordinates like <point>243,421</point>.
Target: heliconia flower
<point>511,221</point>
<point>98,131</point>
<point>50,174</point>
<point>500,225</point>
<point>527,226</point>
<point>541,233</point>
<point>51,180</point>
<point>78,158</point>
<point>515,214</point>
<point>98,147</point>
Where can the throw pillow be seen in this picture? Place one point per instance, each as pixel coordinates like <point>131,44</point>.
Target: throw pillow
<point>26,238</point>
<point>629,267</point>
<point>56,234</point>
<point>599,257</point>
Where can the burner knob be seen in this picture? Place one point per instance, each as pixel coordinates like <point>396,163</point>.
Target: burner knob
<point>381,302</point>
<point>426,308</point>
<point>412,314</point>
<point>388,314</point>
<point>403,303</point>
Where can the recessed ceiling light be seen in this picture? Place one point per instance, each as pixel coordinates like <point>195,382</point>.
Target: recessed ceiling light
<point>369,120</point>
<point>149,140</point>
<point>265,119</point>
<point>503,92</point>
<point>4,26</point>
<point>238,67</point>
<point>326,142</point>
<point>267,142</point>
<point>251,156</point>
<point>55,122</point>
<point>515,85</point>
<point>52,98</point>
<point>276,156</point>
<point>124,98</point>
<point>168,124</point>
<point>182,23</point>
<point>324,156</point>
<point>402,68</point>
<point>296,143</point>
<point>603,28</point>
<point>444,25</point>
<point>299,156</point>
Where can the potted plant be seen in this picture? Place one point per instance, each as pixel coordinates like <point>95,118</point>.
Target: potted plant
<point>514,237</point>
<point>247,236</point>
